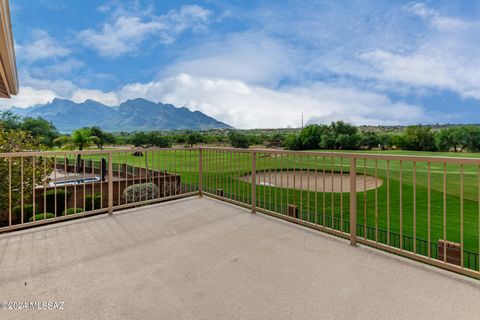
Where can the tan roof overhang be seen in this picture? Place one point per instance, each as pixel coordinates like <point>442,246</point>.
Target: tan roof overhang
<point>8,67</point>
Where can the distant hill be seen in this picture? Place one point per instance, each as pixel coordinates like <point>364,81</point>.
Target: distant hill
<point>131,115</point>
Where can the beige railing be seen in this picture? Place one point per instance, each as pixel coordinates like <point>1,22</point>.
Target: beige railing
<point>424,208</point>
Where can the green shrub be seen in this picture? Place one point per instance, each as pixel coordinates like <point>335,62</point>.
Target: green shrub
<point>97,202</point>
<point>72,211</point>
<point>239,140</point>
<point>40,216</point>
<point>27,212</point>
<point>142,191</point>
<point>50,199</point>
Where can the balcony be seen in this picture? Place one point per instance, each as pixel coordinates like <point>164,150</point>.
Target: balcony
<point>310,252</point>
<point>204,259</point>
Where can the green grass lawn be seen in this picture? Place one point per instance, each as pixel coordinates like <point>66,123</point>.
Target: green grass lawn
<point>222,169</point>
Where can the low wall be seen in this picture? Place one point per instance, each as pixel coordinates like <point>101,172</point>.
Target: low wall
<point>168,184</point>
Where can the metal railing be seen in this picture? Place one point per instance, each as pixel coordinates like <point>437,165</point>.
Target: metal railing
<point>424,208</point>
<point>44,187</point>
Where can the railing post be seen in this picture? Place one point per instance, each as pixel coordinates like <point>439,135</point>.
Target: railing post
<point>254,181</point>
<point>110,182</point>
<point>200,171</point>
<point>353,201</point>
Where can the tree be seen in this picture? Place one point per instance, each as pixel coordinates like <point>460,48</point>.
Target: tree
<point>369,140</point>
<point>10,120</point>
<point>293,142</point>
<point>193,138</point>
<point>418,138</point>
<point>471,136</point>
<point>158,140</point>
<point>277,140</point>
<point>340,136</point>
<point>18,141</point>
<point>311,135</point>
<point>40,128</point>
<point>386,141</point>
<point>80,139</point>
<point>239,140</point>
<point>103,137</point>
<point>447,139</point>
<point>147,139</point>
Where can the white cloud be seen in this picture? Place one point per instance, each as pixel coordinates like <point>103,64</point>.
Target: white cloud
<point>127,32</point>
<point>427,67</point>
<point>27,97</point>
<point>65,67</point>
<point>40,47</point>
<point>444,59</point>
<point>240,104</point>
<point>435,18</point>
<point>62,88</point>
<point>107,98</point>
<point>251,57</point>
<point>247,106</point>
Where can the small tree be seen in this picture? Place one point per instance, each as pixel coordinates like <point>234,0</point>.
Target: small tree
<point>418,138</point>
<point>239,140</point>
<point>277,140</point>
<point>193,138</point>
<point>103,137</point>
<point>80,139</point>
<point>369,140</point>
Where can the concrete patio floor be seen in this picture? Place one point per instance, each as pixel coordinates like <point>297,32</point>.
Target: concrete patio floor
<point>204,259</point>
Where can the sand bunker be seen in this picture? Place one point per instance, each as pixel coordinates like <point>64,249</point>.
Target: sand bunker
<point>305,180</point>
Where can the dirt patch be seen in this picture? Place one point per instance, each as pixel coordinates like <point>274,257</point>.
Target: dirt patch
<point>309,180</point>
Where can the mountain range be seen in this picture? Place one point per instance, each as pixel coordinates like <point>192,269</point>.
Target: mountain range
<point>132,115</point>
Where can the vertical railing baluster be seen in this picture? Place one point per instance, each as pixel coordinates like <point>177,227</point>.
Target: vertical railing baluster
<point>341,194</point>
<point>401,205</point>
<point>388,202</point>
<point>429,210</point>
<point>33,189</point>
<point>332,216</point>
<point>9,192</point>
<point>308,189</point>
<point>376,200</point>
<point>282,165</point>
<point>100,165</point>
<point>301,171</point>
<point>353,201</point>
<point>414,207</point>
<point>461,215</point>
<point>324,195</point>
<point>200,172</point>
<point>84,185</point>
<point>45,187</point>
<point>110,182</point>
<point>365,198</point>
<point>276,184</point>
<point>444,212</point>
<point>254,181</point>
<point>316,190</point>
<point>21,189</point>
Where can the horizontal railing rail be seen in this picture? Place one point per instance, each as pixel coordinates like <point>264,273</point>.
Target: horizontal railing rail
<point>425,208</point>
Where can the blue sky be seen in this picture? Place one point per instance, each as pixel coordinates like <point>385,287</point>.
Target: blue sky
<point>257,63</point>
